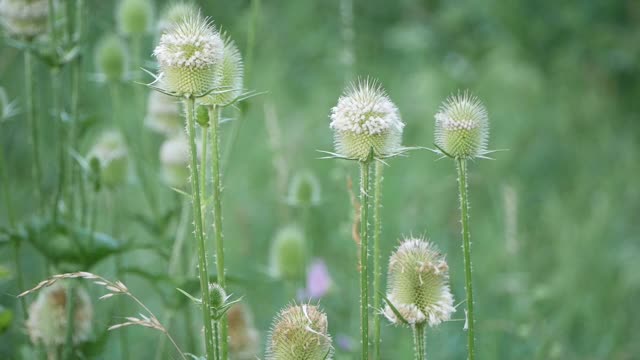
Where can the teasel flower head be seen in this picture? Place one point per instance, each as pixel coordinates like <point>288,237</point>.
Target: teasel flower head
<point>111,58</point>
<point>111,152</point>
<point>299,332</point>
<point>163,115</point>
<point>231,73</point>
<point>47,322</point>
<point>418,285</point>
<point>189,54</point>
<point>217,295</point>
<point>304,190</point>
<point>134,17</point>
<point>244,339</point>
<point>24,18</point>
<point>462,127</point>
<point>174,160</point>
<point>288,254</point>
<point>174,13</point>
<point>366,123</point>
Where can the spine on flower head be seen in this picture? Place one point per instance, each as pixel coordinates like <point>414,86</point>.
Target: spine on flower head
<point>230,72</point>
<point>462,127</point>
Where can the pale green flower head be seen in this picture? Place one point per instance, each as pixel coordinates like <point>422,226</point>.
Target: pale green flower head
<point>462,127</point>
<point>418,284</point>
<point>217,295</point>
<point>288,255</point>
<point>366,123</point>
<point>304,190</point>
<point>111,152</point>
<point>48,321</point>
<point>134,17</point>
<point>174,161</point>
<point>299,332</point>
<point>163,115</point>
<point>111,58</point>
<point>189,54</point>
<point>24,18</point>
<point>174,13</point>
<point>230,73</point>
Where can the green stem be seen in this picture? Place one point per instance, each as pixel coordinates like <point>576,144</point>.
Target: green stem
<point>364,258</point>
<point>420,351</point>
<point>216,339</point>
<point>377,274</point>
<point>61,134</point>
<point>71,304</point>
<point>466,247</point>
<point>76,175</point>
<point>214,116</point>
<point>197,215</point>
<point>203,173</point>
<point>33,124</point>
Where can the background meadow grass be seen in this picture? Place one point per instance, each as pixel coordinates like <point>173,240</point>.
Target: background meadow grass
<point>554,219</point>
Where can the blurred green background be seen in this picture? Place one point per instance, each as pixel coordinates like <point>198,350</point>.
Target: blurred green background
<point>554,218</point>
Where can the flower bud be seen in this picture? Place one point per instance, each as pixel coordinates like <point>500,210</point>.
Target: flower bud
<point>111,58</point>
<point>299,332</point>
<point>47,322</point>
<point>134,16</point>
<point>419,284</point>
<point>111,152</point>
<point>174,158</point>
<point>189,54</point>
<point>230,73</point>
<point>288,254</point>
<point>175,13</point>
<point>217,295</point>
<point>244,340</point>
<point>462,127</point>
<point>24,18</point>
<point>163,115</point>
<point>366,123</point>
<point>304,190</point>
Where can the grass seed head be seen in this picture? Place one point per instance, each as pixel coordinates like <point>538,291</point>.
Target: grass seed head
<point>462,126</point>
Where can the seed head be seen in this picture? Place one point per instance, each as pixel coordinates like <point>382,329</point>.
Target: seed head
<point>111,58</point>
<point>163,115</point>
<point>174,158</point>
<point>217,295</point>
<point>24,18</point>
<point>189,54</point>
<point>244,340</point>
<point>230,73</point>
<point>365,120</point>
<point>134,16</point>
<point>299,332</point>
<point>419,284</point>
<point>111,152</point>
<point>47,322</point>
<point>304,190</point>
<point>175,13</point>
<point>462,126</point>
<point>288,254</point>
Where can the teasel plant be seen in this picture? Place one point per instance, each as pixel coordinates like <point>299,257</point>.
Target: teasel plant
<point>462,134</point>
<point>367,128</point>
<point>418,290</point>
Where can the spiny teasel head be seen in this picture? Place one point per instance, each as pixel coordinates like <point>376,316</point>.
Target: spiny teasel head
<point>230,73</point>
<point>288,254</point>
<point>24,18</point>
<point>174,158</point>
<point>111,58</point>
<point>304,190</point>
<point>217,295</point>
<point>47,322</point>
<point>462,126</point>
<point>111,152</point>
<point>418,284</point>
<point>174,13</point>
<point>163,115</point>
<point>189,54</point>
<point>365,121</point>
<point>244,339</point>
<point>134,16</point>
<point>299,332</point>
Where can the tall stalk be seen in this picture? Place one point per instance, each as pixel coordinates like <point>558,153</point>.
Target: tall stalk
<point>466,248</point>
<point>214,116</point>
<point>420,351</point>
<point>61,135</point>
<point>377,274</point>
<point>199,233</point>
<point>364,258</point>
<point>71,305</point>
<point>33,124</point>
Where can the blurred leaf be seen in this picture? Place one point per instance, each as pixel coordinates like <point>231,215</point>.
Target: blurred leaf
<point>6,317</point>
<point>4,272</point>
<point>195,300</point>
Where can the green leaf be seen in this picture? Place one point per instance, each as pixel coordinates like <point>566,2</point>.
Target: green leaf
<point>194,299</point>
<point>5,273</point>
<point>6,318</point>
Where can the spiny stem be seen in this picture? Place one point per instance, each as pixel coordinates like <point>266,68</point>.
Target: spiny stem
<point>364,254</point>
<point>420,352</point>
<point>199,234</point>
<point>33,124</point>
<point>466,247</point>
<point>377,275</point>
<point>216,338</point>
<point>62,138</point>
<point>203,172</point>
<point>214,116</point>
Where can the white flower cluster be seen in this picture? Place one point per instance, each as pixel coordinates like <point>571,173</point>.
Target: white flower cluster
<point>462,112</point>
<point>191,43</point>
<point>365,109</point>
<point>24,17</point>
